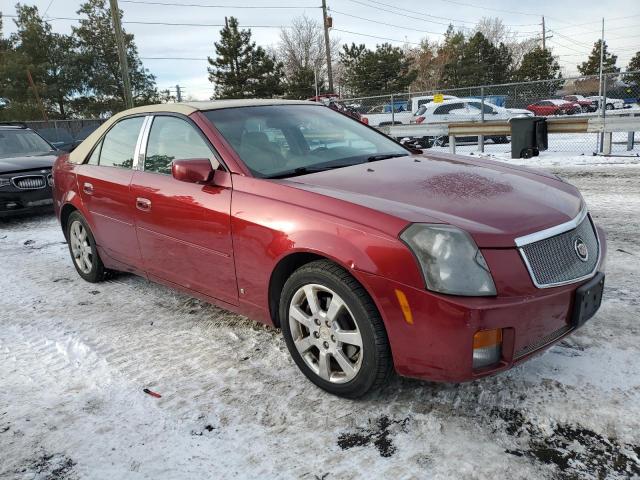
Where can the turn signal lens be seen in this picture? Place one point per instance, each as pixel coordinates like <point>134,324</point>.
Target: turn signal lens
<point>487,347</point>
<point>404,305</point>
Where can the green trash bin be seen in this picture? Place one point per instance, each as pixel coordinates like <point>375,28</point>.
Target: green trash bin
<point>528,136</point>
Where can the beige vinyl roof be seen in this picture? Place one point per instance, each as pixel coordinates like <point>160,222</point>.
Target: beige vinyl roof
<point>186,108</point>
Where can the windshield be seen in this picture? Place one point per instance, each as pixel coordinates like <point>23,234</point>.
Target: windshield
<point>287,140</point>
<point>22,143</point>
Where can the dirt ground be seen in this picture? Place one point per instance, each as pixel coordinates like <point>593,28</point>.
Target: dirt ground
<point>75,357</point>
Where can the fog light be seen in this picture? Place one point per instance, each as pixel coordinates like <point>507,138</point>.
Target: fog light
<point>487,347</point>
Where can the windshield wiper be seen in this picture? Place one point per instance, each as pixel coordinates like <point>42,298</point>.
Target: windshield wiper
<point>304,170</point>
<point>375,158</point>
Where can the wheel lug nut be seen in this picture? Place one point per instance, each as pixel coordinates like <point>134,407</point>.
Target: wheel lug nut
<point>326,344</point>
<point>316,334</point>
<point>333,339</point>
<point>316,321</point>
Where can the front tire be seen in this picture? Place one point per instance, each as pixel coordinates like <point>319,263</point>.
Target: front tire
<point>82,246</point>
<point>334,331</point>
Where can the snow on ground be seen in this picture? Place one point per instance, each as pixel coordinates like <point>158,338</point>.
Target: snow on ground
<point>74,358</point>
<point>571,148</point>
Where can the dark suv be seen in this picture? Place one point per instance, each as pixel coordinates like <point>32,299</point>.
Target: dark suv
<point>25,170</point>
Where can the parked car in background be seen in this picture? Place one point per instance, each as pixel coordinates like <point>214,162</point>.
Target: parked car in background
<point>25,170</point>
<point>554,107</point>
<point>586,104</point>
<point>611,103</point>
<point>462,110</point>
<point>368,255</point>
<point>333,102</point>
<point>380,115</point>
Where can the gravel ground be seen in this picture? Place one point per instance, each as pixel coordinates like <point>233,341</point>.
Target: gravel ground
<point>75,357</point>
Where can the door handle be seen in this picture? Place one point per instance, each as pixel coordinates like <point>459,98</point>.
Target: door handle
<point>87,188</point>
<point>143,204</point>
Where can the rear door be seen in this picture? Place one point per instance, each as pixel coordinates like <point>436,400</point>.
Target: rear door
<point>450,112</point>
<point>104,186</point>
<point>184,229</point>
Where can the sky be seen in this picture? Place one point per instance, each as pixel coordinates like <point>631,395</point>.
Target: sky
<point>572,26</point>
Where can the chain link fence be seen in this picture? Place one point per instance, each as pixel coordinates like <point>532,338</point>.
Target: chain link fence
<point>619,95</point>
<point>64,134</point>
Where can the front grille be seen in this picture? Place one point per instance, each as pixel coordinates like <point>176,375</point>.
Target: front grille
<point>30,182</point>
<point>556,260</point>
<point>546,340</point>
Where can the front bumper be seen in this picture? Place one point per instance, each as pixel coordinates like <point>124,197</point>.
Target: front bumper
<point>438,344</point>
<point>18,202</point>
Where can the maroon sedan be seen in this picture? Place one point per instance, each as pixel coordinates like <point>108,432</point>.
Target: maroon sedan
<point>369,256</point>
<point>554,107</point>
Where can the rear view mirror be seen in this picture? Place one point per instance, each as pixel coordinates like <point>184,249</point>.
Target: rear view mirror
<point>192,170</point>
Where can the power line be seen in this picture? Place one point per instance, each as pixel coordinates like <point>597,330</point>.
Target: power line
<point>47,9</point>
<point>204,5</point>
<point>175,58</point>
<point>173,24</point>
<point>612,19</point>
<point>484,7</point>
<point>439,17</point>
<point>387,24</point>
<point>375,36</point>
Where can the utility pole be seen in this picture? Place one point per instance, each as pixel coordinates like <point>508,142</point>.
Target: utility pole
<point>602,102</point>
<point>35,94</point>
<point>178,93</point>
<point>122,53</point>
<point>327,46</point>
<point>544,35</point>
<point>601,60</point>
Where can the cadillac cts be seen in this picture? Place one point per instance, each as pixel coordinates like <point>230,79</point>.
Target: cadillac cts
<point>369,256</point>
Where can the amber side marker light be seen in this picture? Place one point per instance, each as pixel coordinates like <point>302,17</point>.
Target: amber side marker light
<point>404,305</point>
<point>487,347</point>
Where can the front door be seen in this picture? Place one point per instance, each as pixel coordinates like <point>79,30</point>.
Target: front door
<point>104,186</point>
<point>184,229</point>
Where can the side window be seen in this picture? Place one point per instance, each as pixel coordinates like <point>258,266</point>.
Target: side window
<point>445,109</point>
<point>172,139</point>
<point>95,155</point>
<point>119,143</point>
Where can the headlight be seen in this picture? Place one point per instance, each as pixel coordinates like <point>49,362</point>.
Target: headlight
<point>450,260</point>
<point>5,182</point>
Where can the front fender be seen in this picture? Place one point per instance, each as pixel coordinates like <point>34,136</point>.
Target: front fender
<point>267,230</point>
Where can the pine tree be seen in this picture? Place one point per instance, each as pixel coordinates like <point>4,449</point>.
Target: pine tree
<point>482,63</point>
<point>592,65</point>
<point>634,66</point>
<point>50,59</point>
<point>98,60</point>
<point>241,69</point>
<point>301,84</point>
<point>450,55</point>
<point>538,64</point>
<point>373,72</point>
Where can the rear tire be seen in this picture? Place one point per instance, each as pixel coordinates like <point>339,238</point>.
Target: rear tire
<point>83,250</point>
<point>337,339</point>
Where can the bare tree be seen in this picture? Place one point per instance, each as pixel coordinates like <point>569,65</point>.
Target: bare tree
<point>497,32</point>
<point>301,48</point>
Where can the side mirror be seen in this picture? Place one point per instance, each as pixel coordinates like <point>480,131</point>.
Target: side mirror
<point>192,170</point>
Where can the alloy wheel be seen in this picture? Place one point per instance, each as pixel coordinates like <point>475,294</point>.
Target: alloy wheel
<point>325,333</point>
<point>81,247</point>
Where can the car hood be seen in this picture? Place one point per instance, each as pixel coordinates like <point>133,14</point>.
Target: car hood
<point>493,201</point>
<point>21,164</point>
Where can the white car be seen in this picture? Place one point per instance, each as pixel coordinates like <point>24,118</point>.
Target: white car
<point>380,115</point>
<point>463,110</point>
<point>612,103</point>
